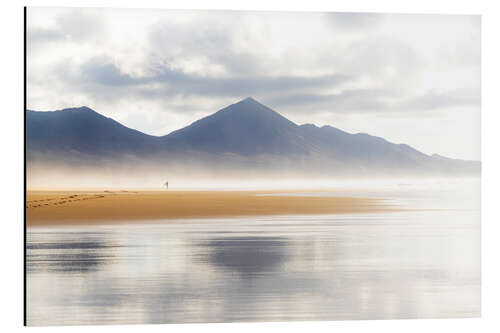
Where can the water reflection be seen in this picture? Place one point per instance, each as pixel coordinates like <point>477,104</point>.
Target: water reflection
<point>248,256</point>
<point>67,252</point>
<point>421,264</point>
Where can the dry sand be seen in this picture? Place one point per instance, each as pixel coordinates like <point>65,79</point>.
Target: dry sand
<point>104,207</point>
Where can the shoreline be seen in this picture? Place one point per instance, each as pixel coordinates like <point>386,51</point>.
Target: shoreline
<point>89,207</point>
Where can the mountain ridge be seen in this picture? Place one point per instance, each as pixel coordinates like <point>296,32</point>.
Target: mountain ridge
<point>240,134</point>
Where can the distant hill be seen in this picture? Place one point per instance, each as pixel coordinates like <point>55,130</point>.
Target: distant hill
<point>85,131</point>
<point>244,135</point>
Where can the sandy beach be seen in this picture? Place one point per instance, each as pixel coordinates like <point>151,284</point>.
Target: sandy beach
<point>99,207</point>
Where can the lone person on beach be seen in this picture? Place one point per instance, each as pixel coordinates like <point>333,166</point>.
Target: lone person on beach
<point>166,184</point>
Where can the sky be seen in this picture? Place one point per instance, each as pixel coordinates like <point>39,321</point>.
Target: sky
<point>410,78</point>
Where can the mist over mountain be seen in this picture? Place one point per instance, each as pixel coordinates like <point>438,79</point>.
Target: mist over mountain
<point>246,137</point>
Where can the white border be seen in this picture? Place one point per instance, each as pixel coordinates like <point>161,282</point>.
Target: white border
<point>11,124</point>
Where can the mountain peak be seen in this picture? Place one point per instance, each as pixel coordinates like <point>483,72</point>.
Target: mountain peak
<point>84,108</point>
<point>245,127</point>
<point>250,110</point>
<point>73,109</point>
<point>249,99</point>
<point>250,102</point>
<point>80,109</point>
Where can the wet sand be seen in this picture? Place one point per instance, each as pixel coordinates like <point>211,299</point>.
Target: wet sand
<point>107,207</point>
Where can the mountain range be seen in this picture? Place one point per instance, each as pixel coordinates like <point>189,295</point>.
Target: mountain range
<point>246,135</point>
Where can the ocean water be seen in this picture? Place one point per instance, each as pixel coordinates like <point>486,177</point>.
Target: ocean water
<point>423,262</point>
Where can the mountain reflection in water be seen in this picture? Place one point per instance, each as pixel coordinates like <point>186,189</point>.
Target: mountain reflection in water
<point>413,264</point>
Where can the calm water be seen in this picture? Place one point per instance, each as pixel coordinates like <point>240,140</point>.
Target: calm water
<point>417,264</point>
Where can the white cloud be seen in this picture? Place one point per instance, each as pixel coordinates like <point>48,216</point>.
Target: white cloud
<point>158,70</point>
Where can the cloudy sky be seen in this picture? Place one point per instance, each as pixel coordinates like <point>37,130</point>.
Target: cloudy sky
<point>409,78</point>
